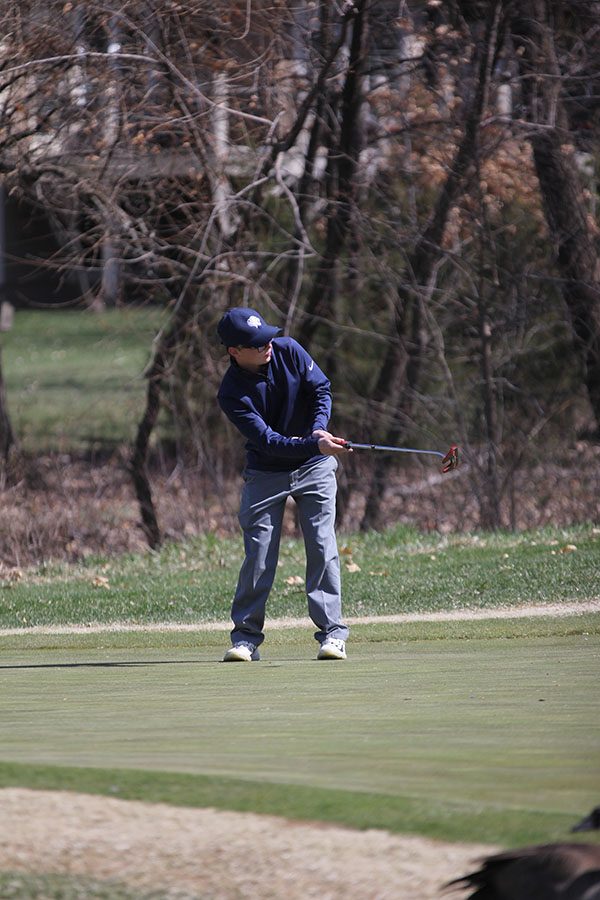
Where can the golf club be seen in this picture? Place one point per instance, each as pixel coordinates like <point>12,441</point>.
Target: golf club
<point>449,459</point>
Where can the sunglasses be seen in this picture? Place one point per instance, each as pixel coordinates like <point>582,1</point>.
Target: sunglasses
<point>258,349</point>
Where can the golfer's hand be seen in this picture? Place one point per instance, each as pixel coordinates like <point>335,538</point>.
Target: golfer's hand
<point>329,445</point>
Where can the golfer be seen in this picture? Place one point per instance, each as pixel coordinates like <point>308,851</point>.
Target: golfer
<point>280,401</point>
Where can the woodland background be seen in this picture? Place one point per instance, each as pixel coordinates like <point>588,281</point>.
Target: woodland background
<point>410,189</point>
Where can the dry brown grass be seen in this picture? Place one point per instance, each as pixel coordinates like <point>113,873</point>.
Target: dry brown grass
<point>193,852</point>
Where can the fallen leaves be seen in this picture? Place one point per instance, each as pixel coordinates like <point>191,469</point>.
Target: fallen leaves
<point>100,581</point>
<point>11,577</point>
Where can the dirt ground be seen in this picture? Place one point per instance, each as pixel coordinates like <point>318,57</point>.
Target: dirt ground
<point>216,854</point>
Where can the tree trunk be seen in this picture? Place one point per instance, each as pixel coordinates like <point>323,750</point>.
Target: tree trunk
<point>139,462</point>
<point>490,494</point>
<point>7,437</point>
<point>576,253</point>
<point>400,374</point>
<point>319,303</point>
<point>324,101</point>
<point>401,383</point>
<point>163,355</point>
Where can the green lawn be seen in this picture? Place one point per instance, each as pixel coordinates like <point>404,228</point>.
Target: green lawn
<point>474,738</point>
<point>393,572</point>
<point>26,886</point>
<point>74,379</point>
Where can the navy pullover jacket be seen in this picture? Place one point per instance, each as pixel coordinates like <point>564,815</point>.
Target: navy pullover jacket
<point>278,408</point>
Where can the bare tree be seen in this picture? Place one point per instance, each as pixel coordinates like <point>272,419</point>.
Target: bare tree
<point>7,437</point>
<point>319,304</point>
<point>193,293</point>
<point>328,162</point>
<point>551,139</point>
<point>399,377</point>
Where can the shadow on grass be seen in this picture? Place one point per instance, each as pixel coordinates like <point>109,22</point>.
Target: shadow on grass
<point>122,664</point>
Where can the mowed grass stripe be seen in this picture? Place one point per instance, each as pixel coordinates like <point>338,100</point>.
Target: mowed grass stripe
<point>447,731</point>
<point>353,809</point>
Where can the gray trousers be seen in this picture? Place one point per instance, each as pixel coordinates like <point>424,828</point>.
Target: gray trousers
<point>313,486</point>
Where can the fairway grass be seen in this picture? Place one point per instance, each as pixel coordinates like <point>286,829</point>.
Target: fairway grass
<point>489,734</point>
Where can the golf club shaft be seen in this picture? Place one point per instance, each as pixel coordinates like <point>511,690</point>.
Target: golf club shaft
<point>354,446</point>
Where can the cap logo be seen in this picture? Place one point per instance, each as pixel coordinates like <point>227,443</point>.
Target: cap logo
<point>254,322</point>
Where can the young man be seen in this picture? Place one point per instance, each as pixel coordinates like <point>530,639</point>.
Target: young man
<point>280,401</point>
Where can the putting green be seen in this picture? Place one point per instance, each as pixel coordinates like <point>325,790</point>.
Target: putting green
<point>506,724</point>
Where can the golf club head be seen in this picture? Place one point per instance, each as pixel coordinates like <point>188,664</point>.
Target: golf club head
<point>450,460</point>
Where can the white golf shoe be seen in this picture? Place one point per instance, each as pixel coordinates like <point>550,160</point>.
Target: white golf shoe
<point>243,651</point>
<point>332,648</point>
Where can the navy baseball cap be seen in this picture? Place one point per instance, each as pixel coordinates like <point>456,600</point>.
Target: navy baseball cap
<point>244,327</point>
